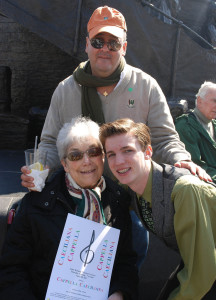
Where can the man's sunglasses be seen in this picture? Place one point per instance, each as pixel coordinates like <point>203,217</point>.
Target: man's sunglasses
<point>77,155</point>
<point>112,45</point>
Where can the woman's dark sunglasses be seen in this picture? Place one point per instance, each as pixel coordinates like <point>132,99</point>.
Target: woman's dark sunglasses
<point>112,45</point>
<point>77,155</point>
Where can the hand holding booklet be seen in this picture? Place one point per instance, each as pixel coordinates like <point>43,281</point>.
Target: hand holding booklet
<point>83,265</point>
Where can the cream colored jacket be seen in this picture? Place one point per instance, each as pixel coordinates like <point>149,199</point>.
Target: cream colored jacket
<point>138,96</point>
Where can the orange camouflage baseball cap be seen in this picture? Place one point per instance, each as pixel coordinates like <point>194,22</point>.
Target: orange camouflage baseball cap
<point>106,19</point>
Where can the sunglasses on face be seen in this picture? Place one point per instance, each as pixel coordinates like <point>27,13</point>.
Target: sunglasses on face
<point>77,155</point>
<point>112,45</point>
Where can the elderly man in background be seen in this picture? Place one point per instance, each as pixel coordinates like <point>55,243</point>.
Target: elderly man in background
<point>197,129</point>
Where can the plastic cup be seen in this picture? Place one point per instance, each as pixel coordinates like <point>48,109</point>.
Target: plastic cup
<point>36,162</point>
<point>32,157</point>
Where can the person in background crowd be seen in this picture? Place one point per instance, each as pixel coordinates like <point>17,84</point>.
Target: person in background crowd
<point>197,129</point>
<point>174,205</point>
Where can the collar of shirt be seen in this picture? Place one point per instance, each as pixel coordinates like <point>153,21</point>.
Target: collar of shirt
<point>121,78</point>
<point>206,123</point>
<point>123,73</point>
<point>147,194</point>
<point>200,116</point>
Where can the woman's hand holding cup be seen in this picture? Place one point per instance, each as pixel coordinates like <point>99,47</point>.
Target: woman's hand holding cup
<point>35,172</point>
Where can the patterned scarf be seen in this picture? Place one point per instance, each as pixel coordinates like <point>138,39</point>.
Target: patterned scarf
<point>88,201</point>
<point>90,101</point>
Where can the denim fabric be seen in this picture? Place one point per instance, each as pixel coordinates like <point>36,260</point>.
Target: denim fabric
<point>140,238</point>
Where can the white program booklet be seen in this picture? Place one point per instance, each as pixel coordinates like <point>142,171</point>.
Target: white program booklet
<point>83,265</point>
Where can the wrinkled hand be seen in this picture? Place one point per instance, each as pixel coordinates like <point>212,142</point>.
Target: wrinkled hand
<point>27,181</point>
<point>116,296</point>
<point>194,169</point>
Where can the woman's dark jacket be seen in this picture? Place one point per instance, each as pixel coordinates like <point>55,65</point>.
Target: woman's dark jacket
<point>33,239</point>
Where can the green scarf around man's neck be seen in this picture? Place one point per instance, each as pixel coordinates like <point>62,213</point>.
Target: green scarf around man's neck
<point>90,101</point>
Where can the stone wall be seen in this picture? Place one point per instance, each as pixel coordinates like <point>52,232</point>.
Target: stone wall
<point>37,67</point>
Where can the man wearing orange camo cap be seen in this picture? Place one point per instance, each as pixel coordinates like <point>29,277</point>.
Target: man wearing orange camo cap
<point>106,88</point>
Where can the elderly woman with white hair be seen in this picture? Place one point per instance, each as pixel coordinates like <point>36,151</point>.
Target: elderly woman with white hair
<point>33,239</point>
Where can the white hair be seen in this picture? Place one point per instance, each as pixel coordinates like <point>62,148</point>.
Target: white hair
<point>77,130</point>
<point>204,88</point>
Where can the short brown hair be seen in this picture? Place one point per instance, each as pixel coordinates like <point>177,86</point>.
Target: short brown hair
<point>139,130</point>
